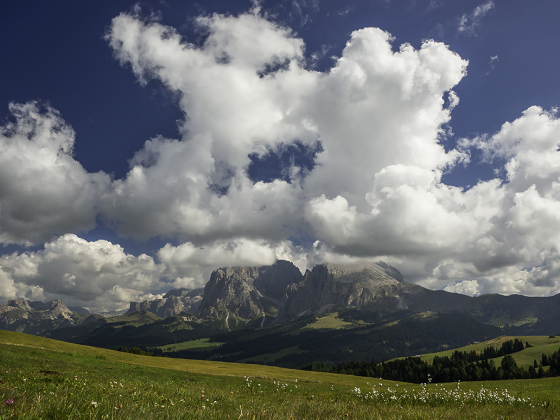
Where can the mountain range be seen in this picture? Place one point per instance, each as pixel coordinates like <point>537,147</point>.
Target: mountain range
<point>274,314</point>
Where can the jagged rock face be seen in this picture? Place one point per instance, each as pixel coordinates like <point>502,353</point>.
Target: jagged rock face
<point>172,303</point>
<point>273,280</point>
<point>330,287</point>
<point>33,317</point>
<point>247,292</point>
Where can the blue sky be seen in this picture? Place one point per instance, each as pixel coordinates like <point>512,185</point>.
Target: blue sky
<point>149,143</point>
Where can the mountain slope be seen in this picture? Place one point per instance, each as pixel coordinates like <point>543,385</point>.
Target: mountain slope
<point>294,344</point>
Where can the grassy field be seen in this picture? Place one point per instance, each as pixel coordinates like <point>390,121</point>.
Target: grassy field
<point>47,379</point>
<point>330,321</point>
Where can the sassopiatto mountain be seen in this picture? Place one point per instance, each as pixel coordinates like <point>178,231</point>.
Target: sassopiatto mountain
<point>332,287</point>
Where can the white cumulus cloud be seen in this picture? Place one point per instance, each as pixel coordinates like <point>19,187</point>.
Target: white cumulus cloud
<point>373,109</point>
<point>96,274</point>
<point>43,189</point>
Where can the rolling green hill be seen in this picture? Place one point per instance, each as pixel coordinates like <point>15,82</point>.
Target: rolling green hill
<point>501,358</point>
<point>19,340</point>
<point>541,345</point>
<point>333,340</point>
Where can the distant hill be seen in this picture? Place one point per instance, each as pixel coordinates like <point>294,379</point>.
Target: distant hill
<point>292,344</point>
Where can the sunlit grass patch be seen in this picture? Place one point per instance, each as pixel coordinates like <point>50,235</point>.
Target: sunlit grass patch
<point>330,321</point>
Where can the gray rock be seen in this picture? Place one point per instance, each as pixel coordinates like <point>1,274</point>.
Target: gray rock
<point>174,302</point>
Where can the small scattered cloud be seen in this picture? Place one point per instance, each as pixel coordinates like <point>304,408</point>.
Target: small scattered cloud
<point>304,9</point>
<point>491,65</point>
<point>345,11</point>
<point>492,62</point>
<point>435,4</point>
<point>469,22</point>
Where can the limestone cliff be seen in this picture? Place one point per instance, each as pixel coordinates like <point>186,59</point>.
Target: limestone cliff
<point>247,292</point>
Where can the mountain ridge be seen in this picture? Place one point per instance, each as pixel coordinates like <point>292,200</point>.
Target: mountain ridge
<point>32,317</point>
<point>251,297</point>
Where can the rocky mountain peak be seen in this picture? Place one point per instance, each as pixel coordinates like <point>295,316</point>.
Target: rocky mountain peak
<point>247,292</point>
<point>273,279</point>
<point>52,308</point>
<point>329,287</point>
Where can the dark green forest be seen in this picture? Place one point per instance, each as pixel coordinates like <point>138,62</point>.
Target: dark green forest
<point>460,366</point>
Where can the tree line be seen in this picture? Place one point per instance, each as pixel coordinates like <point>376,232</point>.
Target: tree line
<point>460,366</point>
<point>139,351</point>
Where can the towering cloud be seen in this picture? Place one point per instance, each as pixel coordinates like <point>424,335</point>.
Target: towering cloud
<point>247,90</point>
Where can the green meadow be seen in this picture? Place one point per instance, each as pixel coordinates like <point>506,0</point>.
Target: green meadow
<point>330,321</point>
<point>48,379</point>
